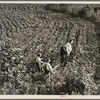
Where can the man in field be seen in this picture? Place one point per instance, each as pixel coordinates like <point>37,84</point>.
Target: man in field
<point>39,62</point>
<point>65,51</point>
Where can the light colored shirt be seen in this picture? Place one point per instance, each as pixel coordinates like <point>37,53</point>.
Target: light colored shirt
<point>39,61</point>
<point>67,48</point>
<point>49,67</point>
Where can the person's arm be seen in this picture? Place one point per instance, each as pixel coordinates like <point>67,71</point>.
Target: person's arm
<point>41,61</point>
<point>51,69</point>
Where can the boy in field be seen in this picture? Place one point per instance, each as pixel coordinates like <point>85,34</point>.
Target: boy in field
<point>48,68</point>
<point>39,62</point>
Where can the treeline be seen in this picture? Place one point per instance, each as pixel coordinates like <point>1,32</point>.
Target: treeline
<point>84,11</point>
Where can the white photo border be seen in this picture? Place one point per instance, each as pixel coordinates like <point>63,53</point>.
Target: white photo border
<point>50,97</point>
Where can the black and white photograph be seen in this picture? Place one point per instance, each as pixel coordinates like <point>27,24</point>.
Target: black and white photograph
<point>49,49</point>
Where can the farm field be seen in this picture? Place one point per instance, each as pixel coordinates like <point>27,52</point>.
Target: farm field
<point>29,29</point>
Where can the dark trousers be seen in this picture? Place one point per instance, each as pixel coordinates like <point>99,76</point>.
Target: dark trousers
<point>63,55</point>
<point>38,67</point>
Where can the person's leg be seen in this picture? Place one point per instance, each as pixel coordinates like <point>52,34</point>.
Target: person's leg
<point>65,59</point>
<point>42,67</point>
<point>38,66</point>
<point>62,54</point>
